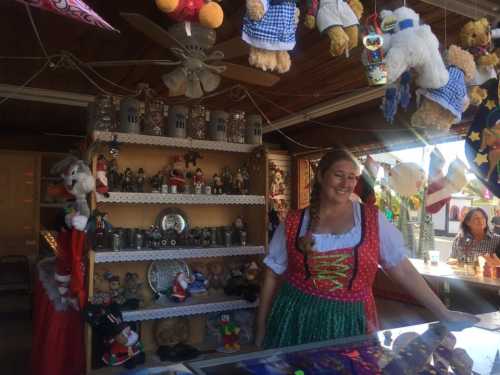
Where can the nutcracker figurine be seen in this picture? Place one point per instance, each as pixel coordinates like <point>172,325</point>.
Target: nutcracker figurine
<point>230,333</point>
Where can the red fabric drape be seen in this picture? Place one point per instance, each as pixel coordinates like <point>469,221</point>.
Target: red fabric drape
<point>58,346</point>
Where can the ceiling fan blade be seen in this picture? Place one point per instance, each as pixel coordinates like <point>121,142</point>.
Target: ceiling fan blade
<point>249,75</point>
<point>151,29</point>
<point>97,64</point>
<point>234,47</point>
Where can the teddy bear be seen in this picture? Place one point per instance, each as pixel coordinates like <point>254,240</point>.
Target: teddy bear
<point>476,37</point>
<point>444,106</point>
<point>269,28</point>
<point>206,13</point>
<point>340,20</point>
<point>412,45</point>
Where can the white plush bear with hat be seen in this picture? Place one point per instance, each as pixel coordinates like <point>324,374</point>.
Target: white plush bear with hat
<point>412,45</point>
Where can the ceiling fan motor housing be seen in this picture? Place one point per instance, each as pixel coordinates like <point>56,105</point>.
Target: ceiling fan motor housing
<point>193,36</point>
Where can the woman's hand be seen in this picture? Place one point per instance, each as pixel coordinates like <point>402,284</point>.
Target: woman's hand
<point>457,320</point>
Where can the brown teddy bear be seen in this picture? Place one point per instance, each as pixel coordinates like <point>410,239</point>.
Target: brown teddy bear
<point>339,19</point>
<point>444,106</point>
<point>475,37</point>
<point>206,13</point>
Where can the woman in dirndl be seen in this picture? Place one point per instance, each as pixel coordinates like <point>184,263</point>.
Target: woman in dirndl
<point>322,264</point>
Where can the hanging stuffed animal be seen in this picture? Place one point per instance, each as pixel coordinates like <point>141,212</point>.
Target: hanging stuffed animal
<point>339,19</point>
<point>442,187</point>
<point>406,179</point>
<point>207,13</point>
<point>476,37</point>
<point>444,106</point>
<point>414,46</point>
<point>269,28</point>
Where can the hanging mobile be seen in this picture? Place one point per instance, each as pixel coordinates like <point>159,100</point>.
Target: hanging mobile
<point>373,41</point>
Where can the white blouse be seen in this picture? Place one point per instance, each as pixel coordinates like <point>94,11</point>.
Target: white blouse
<point>392,246</point>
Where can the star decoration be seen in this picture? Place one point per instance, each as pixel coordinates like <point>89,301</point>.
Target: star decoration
<point>480,159</point>
<point>474,136</point>
<point>490,104</point>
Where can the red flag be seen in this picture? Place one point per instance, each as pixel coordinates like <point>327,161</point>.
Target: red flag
<point>75,9</point>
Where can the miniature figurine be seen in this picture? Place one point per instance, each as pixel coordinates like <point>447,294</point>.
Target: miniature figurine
<point>133,291</point>
<point>239,227</point>
<point>238,182</point>
<point>101,180</point>
<point>227,181</point>
<point>156,181</point>
<point>206,237</point>
<point>246,179</point>
<point>180,287</point>
<point>243,282</point>
<point>177,175</point>
<point>128,181</point>
<point>154,237</point>
<point>114,177</point>
<point>97,229</point>
<point>200,284</point>
<point>230,333</point>
<point>198,181</point>
<point>115,289</point>
<point>140,180</point>
<point>218,185</point>
<point>191,157</point>
<point>216,277</point>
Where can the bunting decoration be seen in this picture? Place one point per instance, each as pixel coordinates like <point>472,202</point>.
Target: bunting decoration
<point>75,9</point>
<point>482,143</point>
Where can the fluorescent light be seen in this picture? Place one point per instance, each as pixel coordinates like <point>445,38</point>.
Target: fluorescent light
<point>45,96</point>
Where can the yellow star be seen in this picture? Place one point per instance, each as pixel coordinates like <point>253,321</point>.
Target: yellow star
<point>474,136</point>
<point>490,104</point>
<point>480,159</point>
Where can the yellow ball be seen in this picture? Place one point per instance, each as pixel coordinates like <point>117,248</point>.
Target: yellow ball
<point>167,6</point>
<point>211,15</point>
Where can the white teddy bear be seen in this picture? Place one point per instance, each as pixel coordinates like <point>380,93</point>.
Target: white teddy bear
<point>412,45</point>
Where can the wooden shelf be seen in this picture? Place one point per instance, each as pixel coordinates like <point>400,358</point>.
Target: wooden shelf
<point>130,255</point>
<point>193,306</point>
<point>52,205</point>
<point>159,198</point>
<point>141,139</point>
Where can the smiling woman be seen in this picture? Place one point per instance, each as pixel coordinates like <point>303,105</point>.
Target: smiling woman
<point>329,254</point>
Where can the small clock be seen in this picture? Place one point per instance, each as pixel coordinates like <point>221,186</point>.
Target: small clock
<point>173,219</point>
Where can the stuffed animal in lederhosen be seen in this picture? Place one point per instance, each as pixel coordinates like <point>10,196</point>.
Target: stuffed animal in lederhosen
<point>482,144</point>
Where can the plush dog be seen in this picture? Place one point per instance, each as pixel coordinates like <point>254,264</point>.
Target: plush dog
<point>207,13</point>
<point>339,19</point>
<point>269,28</point>
<point>414,46</point>
<point>444,106</point>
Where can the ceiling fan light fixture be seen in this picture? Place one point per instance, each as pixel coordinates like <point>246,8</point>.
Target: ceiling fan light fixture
<point>193,87</point>
<point>209,80</point>
<point>175,79</point>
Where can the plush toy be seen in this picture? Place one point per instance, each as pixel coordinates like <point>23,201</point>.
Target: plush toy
<point>406,178</point>
<point>413,46</point>
<point>476,37</point>
<point>207,13</point>
<point>441,188</point>
<point>339,19</point>
<point>269,28</point>
<point>180,287</point>
<point>443,107</point>
<point>243,282</point>
<point>230,333</point>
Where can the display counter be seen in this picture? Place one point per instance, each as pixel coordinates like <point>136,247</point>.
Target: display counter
<point>421,349</point>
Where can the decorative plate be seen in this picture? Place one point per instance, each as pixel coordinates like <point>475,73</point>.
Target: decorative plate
<point>173,219</point>
<point>161,274</point>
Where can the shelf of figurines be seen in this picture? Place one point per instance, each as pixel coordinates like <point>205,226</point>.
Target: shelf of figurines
<point>181,198</point>
<point>164,308</point>
<point>190,143</point>
<point>133,255</point>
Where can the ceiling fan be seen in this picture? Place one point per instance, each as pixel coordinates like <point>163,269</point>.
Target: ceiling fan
<point>199,64</point>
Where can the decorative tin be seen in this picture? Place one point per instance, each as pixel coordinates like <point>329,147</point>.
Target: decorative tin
<point>130,115</point>
<point>153,118</point>
<point>139,240</point>
<point>243,238</point>
<point>177,120</point>
<point>104,114</point>
<point>217,127</point>
<point>116,240</point>
<point>173,189</point>
<point>213,236</point>
<point>254,130</point>
<point>236,127</point>
<point>228,233</point>
<point>198,122</point>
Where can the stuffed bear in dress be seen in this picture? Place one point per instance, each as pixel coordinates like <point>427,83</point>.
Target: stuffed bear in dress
<point>444,106</point>
<point>206,13</point>
<point>476,37</point>
<point>269,28</point>
<point>339,19</point>
<point>414,46</point>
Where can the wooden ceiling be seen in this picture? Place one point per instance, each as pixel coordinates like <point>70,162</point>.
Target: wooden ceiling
<point>315,77</point>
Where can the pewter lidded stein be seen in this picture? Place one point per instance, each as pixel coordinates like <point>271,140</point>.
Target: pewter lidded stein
<point>198,122</point>
<point>104,113</point>
<point>153,118</point>
<point>217,127</point>
<point>177,121</point>
<point>254,130</point>
<point>236,127</point>
<point>130,115</point>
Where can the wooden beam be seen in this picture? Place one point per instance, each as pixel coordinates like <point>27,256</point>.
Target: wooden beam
<point>467,8</point>
<point>45,96</point>
<point>326,108</point>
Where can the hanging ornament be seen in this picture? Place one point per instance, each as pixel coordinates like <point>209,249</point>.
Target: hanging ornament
<point>482,143</point>
<point>373,58</point>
